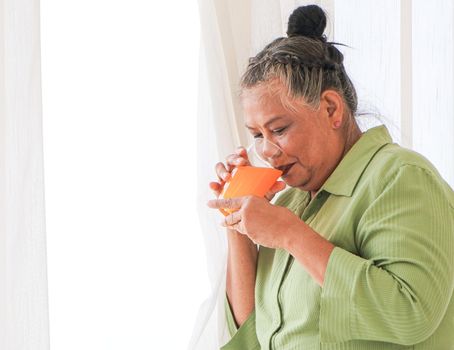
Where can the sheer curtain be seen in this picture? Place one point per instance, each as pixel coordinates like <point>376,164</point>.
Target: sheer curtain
<point>23,277</point>
<point>400,59</point>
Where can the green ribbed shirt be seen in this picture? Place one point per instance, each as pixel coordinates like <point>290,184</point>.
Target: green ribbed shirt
<point>389,281</point>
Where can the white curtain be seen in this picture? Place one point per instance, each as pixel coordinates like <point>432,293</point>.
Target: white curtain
<point>400,60</point>
<point>401,63</point>
<point>23,278</point>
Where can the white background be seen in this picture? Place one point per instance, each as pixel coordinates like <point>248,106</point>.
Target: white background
<point>126,260</point>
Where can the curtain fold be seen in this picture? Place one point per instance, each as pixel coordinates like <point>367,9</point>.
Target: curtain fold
<point>223,56</point>
<point>230,35</point>
<point>377,61</point>
<point>23,272</point>
<point>433,83</point>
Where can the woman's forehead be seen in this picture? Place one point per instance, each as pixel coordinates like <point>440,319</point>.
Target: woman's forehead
<point>264,104</point>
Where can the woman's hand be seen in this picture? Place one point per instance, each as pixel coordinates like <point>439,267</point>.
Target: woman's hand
<point>277,227</point>
<point>264,223</point>
<point>223,172</point>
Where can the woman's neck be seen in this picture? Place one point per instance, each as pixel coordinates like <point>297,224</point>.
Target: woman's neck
<point>352,136</point>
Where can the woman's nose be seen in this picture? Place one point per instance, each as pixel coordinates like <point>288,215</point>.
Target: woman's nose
<point>270,150</point>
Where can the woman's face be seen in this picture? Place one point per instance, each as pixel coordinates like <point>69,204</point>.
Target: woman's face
<point>312,145</point>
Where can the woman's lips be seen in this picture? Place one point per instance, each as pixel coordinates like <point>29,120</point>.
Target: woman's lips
<point>286,168</point>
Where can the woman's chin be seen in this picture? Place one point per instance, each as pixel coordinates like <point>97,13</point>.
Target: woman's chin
<point>293,180</point>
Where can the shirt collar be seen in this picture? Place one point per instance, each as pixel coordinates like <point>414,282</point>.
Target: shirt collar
<point>346,175</point>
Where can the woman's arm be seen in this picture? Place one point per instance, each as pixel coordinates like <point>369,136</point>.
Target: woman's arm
<point>309,248</point>
<point>278,227</point>
<point>242,251</point>
<point>400,286</point>
<point>241,270</point>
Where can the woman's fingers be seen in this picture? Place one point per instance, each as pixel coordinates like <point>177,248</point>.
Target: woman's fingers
<point>221,171</point>
<point>235,160</point>
<point>223,176</point>
<point>277,187</point>
<point>216,187</point>
<point>239,158</point>
<point>241,151</point>
<point>227,203</point>
<point>232,219</point>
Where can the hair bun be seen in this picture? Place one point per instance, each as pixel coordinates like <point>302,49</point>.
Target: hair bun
<point>307,21</point>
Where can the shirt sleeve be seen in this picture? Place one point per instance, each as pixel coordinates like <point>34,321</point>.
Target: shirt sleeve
<point>244,337</point>
<point>398,290</point>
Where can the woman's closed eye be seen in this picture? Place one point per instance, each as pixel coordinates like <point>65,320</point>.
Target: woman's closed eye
<point>278,132</point>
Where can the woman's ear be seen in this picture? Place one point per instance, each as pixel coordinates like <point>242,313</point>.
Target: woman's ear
<point>332,106</point>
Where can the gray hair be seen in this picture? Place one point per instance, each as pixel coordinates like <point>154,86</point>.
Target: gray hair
<point>306,66</point>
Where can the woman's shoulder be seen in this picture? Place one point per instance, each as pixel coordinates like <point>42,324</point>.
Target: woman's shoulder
<point>392,158</point>
<point>396,156</point>
<point>394,161</point>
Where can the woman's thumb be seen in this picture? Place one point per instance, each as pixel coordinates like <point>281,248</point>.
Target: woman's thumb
<point>277,187</point>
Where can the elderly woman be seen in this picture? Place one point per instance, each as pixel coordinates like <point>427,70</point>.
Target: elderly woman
<point>358,252</point>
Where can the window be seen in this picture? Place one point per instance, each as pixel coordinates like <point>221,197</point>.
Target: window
<point>126,261</point>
